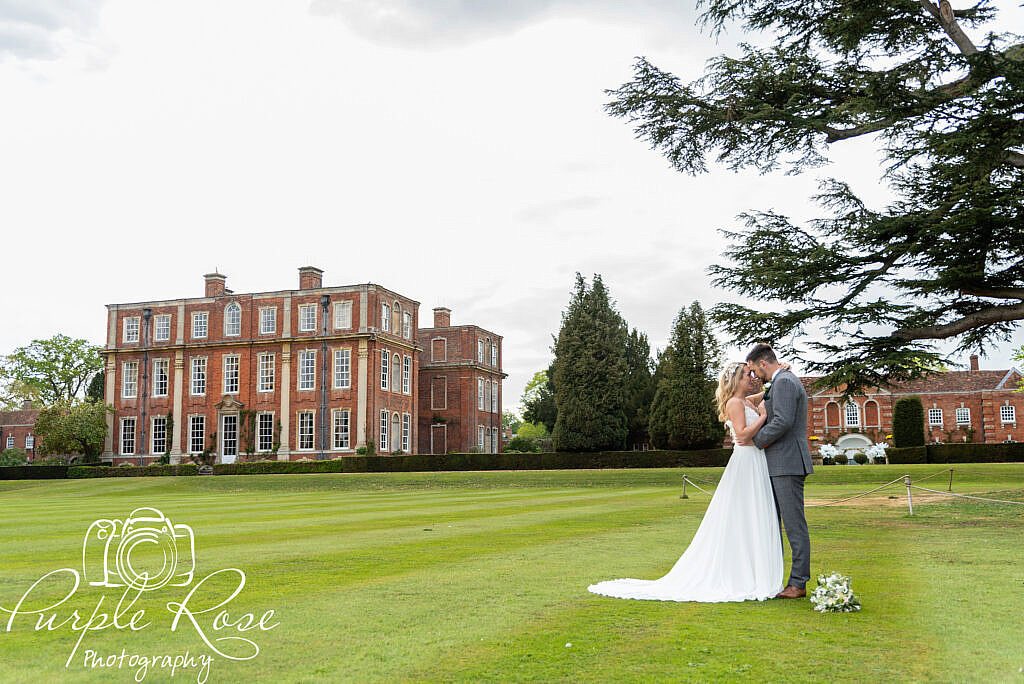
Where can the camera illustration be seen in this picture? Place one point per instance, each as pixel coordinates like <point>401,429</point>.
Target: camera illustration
<point>145,552</point>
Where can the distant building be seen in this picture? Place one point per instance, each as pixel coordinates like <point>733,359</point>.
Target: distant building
<point>460,387</point>
<point>16,429</point>
<point>960,406</point>
<point>312,372</point>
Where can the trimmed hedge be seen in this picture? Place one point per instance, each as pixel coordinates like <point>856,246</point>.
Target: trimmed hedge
<point>917,454</point>
<point>30,472</point>
<point>557,460</point>
<point>79,472</point>
<point>970,453</point>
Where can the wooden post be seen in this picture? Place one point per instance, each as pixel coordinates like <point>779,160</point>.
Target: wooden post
<point>910,499</point>
<point>684,489</point>
<point>950,479</point>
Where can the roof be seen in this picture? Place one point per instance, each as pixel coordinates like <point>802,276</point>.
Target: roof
<point>21,417</point>
<point>946,381</point>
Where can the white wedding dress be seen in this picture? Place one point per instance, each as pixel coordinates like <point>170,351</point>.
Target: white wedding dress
<point>736,554</point>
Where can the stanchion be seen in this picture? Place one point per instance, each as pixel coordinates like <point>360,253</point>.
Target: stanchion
<point>950,480</point>
<point>684,489</point>
<point>910,499</point>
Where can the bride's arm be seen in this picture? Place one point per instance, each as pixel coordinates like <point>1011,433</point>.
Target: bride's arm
<point>744,433</point>
<point>755,398</point>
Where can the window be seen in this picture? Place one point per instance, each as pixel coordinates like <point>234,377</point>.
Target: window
<point>265,432</point>
<point>130,379</point>
<point>200,323</point>
<point>494,355</point>
<point>159,435</point>
<point>10,441</point>
<point>832,414</point>
<point>871,413</point>
<point>162,328</point>
<point>480,394</point>
<point>396,372</point>
<point>963,416</point>
<point>231,374</point>
<point>232,320</point>
<point>384,431</point>
<point>935,416</point>
<point>439,349</point>
<point>305,430</point>
<point>160,367</point>
<point>480,430</point>
<point>494,440</point>
<point>131,329</point>
<point>30,441</point>
<point>407,325</point>
<point>494,396</point>
<point>229,435</point>
<point>196,433</point>
<point>385,318</point>
<point>341,430</point>
<point>385,368</point>
<point>1007,414</point>
<point>268,321</point>
<point>406,430</point>
<point>343,315</point>
<point>439,393</point>
<point>480,351</point>
<point>307,317</point>
<point>307,370</point>
<point>406,374</point>
<point>342,368</point>
<point>266,373</point>
<point>199,376</point>
<point>127,436</point>
<point>852,415</point>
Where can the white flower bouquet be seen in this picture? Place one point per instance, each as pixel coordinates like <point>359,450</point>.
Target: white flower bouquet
<point>876,452</point>
<point>828,451</point>
<point>834,595</point>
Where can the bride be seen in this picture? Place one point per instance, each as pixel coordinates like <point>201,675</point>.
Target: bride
<point>736,554</point>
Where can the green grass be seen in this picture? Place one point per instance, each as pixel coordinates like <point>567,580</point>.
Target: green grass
<point>482,577</point>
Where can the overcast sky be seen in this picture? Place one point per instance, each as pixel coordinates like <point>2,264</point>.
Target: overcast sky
<point>455,151</point>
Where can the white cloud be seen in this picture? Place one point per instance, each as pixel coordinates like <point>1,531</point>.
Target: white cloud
<point>42,29</point>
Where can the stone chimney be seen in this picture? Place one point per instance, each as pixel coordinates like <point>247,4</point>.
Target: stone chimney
<point>310,278</point>
<point>215,284</point>
<point>442,317</point>
<point>974,363</point>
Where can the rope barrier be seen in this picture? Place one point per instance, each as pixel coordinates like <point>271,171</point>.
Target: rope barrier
<point>687,479</point>
<point>967,496</point>
<point>857,496</point>
<point>700,479</point>
<point>974,472</point>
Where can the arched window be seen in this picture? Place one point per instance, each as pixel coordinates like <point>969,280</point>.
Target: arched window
<point>871,413</point>
<point>852,415</point>
<point>232,320</point>
<point>396,373</point>
<point>832,415</point>
<point>396,432</point>
<point>396,319</point>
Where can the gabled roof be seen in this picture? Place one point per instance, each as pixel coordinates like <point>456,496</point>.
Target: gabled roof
<point>21,417</point>
<point>946,381</point>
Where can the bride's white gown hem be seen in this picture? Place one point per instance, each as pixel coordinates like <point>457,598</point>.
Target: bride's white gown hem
<point>736,554</point>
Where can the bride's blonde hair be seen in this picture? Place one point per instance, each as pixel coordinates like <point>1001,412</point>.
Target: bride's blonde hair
<point>728,381</point>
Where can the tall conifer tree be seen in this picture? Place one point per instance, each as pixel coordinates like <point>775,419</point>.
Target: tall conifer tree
<point>590,372</point>
<point>683,413</point>
<point>639,388</point>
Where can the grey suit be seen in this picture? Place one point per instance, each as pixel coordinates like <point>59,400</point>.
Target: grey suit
<point>784,440</point>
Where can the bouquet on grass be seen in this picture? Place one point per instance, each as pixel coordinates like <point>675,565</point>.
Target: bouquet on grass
<point>834,595</point>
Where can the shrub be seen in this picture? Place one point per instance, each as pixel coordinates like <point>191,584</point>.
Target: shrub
<point>841,458</point>
<point>976,453</point>
<point>827,460</point>
<point>79,472</point>
<point>908,422</point>
<point>521,444</point>
<point>918,454</point>
<point>13,457</point>
<point>860,458</point>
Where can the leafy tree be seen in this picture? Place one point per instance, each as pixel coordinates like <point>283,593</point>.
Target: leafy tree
<point>72,426</point>
<point>510,421</point>
<point>538,400</point>
<point>97,387</point>
<point>55,369</point>
<point>14,394</point>
<point>683,413</point>
<point>908,422</point>
<point>1020,357</point>
<point>639,387</point>
<point>533,431</point>
<point>590,372</point>
<point>522,444</point>
<point>13,457</point>
<point>945,259</point>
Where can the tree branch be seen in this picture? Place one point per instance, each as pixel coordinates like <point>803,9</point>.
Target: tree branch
<point>947,20</point>
<point>993,314</point>
<point>1015,158</point>
<point>998,293</point>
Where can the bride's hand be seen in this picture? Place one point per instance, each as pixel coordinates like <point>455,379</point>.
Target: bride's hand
<point>761,409</point>
<point>785,366</point>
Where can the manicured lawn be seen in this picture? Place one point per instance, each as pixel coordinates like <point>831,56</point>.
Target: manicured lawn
<point>483,576</point>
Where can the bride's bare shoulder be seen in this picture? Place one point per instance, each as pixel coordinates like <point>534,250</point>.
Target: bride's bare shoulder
<point>733,402</point>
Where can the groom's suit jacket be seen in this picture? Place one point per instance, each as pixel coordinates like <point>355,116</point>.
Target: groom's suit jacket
<point>785,430</point>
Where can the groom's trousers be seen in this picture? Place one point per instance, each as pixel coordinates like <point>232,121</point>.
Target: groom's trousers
<point>789,502</point>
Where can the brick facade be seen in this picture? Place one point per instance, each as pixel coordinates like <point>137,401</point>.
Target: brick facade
<point>322,351</point>
<point>977,394</point>
<point>17,429</point>
<point>460,387</point>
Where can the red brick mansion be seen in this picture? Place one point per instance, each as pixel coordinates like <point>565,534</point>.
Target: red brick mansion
<point>314,372</point>
<point>960,406</point>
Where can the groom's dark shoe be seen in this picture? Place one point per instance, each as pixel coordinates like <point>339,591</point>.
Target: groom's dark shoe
<point>792,592</point>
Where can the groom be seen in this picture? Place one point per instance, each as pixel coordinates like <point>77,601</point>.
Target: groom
<point>784,440</point>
